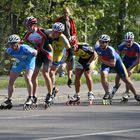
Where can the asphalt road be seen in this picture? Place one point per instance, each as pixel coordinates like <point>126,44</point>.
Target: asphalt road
<point>61,122</point>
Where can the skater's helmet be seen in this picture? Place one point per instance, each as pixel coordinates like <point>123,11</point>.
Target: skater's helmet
<point>58,26</point>
<point>29,21</point>
<point>129,36</point>
<point>104,37</point>
<point>14,39</point>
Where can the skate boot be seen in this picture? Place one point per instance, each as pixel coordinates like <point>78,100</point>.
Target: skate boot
<point>54,92</point>
<point>106,99</point>
<point>114,90</point>
<point>48,101</point>
<point>125,98</point>
<point>75,100</point>
<point>137,97</point>
<point>34,102</point>
<point>90,98</point>
<point>28,104</point>
<point>6,104</point>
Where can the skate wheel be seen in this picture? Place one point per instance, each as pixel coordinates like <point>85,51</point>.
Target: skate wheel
<point>1,107</point>
<point>103,102</point>
<point>26,107</point>
<point>67,104</point>
<point>46,106</point>
<point>78,103</point>
<point>34,106</point>
<point>90,102</point>
<point>75,103</point>
<point>106,102</point>
<point>124,101</point>
<point>9,107</point>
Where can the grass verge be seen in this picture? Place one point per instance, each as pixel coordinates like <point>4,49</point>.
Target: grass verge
<point>20,82</point>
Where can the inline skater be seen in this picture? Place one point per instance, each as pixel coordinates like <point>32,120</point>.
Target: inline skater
<point>131,58</point>
<point>24,61</point>
<point>86,57</point>
<point>111,59</point>
<point>60,44</point>
<point>42,43</point>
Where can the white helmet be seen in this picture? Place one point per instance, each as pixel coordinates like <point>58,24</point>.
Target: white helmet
<point>104,37</point>
<point>129,36</point>
<point>13,38</point>
<point>58,26</point>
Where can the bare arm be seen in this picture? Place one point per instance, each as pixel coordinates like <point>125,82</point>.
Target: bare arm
<point>110,63</point>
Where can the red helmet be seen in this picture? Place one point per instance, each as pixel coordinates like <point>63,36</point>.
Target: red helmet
<point>30,21</point>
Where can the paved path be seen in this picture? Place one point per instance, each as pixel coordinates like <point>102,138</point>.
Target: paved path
<point>60,122</point>
<point>20,94</point>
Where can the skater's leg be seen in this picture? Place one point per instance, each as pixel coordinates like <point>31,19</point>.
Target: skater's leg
<point>117,85</point>
<point>53,71</point>
<point>76,98</point>
<point>78,75</point>
<point>28,103</point>
<point>117,80</point>
<point>28,79</point>
<point>70,72</point>
<point>129,84</point>
<point>12,78</point>
<point>89,80</point>
<point>48,81</point>
<point>35,80</point>
<point>126,86</point>
<point>104,81</point>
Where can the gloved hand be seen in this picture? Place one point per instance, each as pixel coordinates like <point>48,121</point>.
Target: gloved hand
<point>69,83</point>
<point>87,67</point>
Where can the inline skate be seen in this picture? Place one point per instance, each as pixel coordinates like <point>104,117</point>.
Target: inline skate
<point>74,100</point>
<point>48,101</point>
<point>137,97</point>
<point>28,104</point>
<point>6,105</point>
<point>90,98</point>
<point>125,98</point>
<point>106,99</point>
<point>54,92</point>
<point>34,102</point>
<point>114,90</point>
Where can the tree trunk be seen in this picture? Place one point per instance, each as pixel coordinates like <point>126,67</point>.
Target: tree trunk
<point>121,21</point>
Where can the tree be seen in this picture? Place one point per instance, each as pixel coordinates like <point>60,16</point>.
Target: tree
<point>92,18</point>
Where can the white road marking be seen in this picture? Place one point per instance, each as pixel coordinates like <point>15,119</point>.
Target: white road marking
<point>90,134</point>
<point>19,117</point>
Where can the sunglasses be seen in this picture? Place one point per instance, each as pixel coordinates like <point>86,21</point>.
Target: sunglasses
<point>104,41</point>
<point>128,41</point>
<point>12,43</point>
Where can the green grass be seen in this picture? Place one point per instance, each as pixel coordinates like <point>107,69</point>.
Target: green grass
<point>20,82</point>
